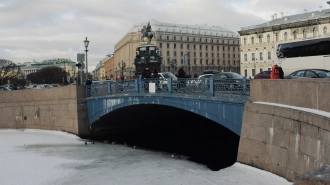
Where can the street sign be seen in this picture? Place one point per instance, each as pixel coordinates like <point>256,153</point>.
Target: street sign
<point>80,57</point>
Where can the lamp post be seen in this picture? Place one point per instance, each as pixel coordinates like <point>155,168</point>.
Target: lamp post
<point>122,67</point>
<point>86,42</point>
<point>173,64</point>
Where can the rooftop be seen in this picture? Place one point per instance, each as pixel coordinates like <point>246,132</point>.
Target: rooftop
<point>172,27</point>
<point>291,19</point>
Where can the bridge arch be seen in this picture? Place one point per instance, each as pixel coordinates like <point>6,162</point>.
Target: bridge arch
<point>226,112</point>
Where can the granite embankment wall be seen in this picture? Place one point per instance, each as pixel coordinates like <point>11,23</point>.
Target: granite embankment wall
<point>286,141</point>
<point>63,108</point>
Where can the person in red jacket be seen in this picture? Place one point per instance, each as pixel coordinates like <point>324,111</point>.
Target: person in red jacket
<point>275,72</point>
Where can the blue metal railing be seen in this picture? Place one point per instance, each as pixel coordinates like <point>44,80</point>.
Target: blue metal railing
<point>189,86</point>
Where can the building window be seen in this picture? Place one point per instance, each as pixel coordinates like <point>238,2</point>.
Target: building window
<point>218,62</point>
<point>207,55</point>
<point>212,55</point>
<point>244,41</point>
<point>314,32</point>
<point>206,47</point>
<point>269,55</point>
<point>194,61</point>
<point>174,38</point>
<point>260,70</point>
<point>181,53</point>
<point>228,55</point>
<point>276,37</point>
<point>261,56</point>
<point>260,39</point>
<point>285,36</point>
<point>200,54</point>
<point>245,72</point>
<point>180,38</point>
<point>217,48</point>
<point>252,40</point>
<point>168,45</point>
<point>212,48</point>
<point>253,72</point>
<point>218,55</point>
<point>304,34</point>
<point>168,37</point>
<point>187,38</point>
<point>223,48</point>
<point>295,35</point>
<point>174,46</point>
<point>228,48</point>
<point>181,46</point>
<point>194,47</point>
<point>187,46</point>
<point>268,38</point>
<point>253,56</point>
<point>201,61</point>
<point>207,61</point>
<point>325,30</point>
<point>168,53</point>
<point>160,45</point>
<point>194,54</point>
<point>223,55</point>
<point>200,47</point>
<point>245,57</point>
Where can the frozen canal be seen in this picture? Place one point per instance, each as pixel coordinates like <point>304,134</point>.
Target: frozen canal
<point>33,157</point>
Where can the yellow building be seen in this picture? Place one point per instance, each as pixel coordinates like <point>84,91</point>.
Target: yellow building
<point>207,47</point>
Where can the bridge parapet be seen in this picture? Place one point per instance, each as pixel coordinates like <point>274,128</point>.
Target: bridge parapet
<point>190,86</point>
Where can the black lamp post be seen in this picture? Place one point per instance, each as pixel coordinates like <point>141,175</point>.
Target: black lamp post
<point>86,42</point>
<point>122,67</point>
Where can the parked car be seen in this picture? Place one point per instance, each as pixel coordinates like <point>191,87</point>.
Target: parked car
<point>210,71</point>
<point>309,73</point>
<point>4,88</point>
<point>55,85</point>
<point>263,75</point>
<point>229,80</point>
<point>32,86</point>
<point>164,76</point>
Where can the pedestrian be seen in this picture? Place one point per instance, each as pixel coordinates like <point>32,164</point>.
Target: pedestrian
<point>146,73</point>
<point>89,81</point>
<point>181,73</point>
<point>155,74</point>
<point>281,72</point>
<point>275,72</point>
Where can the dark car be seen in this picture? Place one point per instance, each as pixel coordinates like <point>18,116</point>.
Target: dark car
<point>309,73</point>
<point>263,75</point>
<point>229,80</point>
<point>210,71</point>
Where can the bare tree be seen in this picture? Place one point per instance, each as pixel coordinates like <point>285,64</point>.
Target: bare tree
<point>8,70</point>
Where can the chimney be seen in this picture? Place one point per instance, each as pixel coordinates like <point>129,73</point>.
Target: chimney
<point>305,11</point>
<point>272,18</point>
<point>320,8</point>
<point>275,16</point>
<point>281,15</point>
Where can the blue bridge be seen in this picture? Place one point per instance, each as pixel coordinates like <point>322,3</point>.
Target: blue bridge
<point>221,101</point>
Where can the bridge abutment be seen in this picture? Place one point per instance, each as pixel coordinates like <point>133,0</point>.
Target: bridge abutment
<point>61,108</point>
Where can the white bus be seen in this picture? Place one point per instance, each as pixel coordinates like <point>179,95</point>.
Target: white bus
<point>306,54</point>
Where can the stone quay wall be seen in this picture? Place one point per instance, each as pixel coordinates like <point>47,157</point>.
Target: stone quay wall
<point>61,108</point>
<point>286,141</point>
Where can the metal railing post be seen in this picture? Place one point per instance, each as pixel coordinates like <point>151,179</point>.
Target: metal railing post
<point>169,85</point>
<point>211,86</point>
<point>109,88</point>
<point>137,85</point>
<point>244,85</point>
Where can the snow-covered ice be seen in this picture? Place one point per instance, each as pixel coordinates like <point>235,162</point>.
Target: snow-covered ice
<point>33,157</point>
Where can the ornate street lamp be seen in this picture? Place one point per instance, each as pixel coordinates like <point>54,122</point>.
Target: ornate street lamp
<point>86,42</point>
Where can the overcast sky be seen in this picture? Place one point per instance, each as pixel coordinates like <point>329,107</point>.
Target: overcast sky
<point>45,29</point>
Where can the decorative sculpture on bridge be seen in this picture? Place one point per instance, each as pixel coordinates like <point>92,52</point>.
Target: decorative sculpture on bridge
<point>147,54</point>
